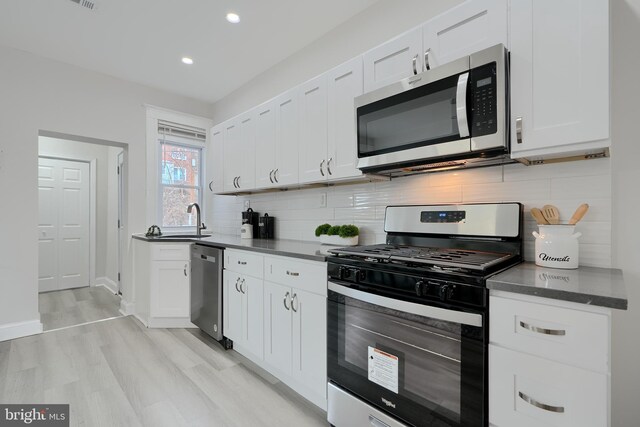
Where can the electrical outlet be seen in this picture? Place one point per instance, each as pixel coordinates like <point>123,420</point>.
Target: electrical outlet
<point>247,204</point>
<point>323,200</point>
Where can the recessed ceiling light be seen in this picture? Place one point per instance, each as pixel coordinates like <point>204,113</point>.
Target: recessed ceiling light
<point>187,60</point>
<point>233,18</point>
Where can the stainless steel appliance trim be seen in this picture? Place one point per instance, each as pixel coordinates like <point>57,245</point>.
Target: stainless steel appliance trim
<point>484,219</point>
<point>208,258</point>
<point>463,318</point>
<point>376,422</point>
<point>346,410</point>
<point>446,70</point>
<point>497,54</point>
<point>461,105</point>
<point>519,130</point>
<point>544,331</point>
<point>543,406</point>
<point>429,151</point>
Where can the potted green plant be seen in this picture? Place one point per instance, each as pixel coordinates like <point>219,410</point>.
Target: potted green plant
<point>339,235</point>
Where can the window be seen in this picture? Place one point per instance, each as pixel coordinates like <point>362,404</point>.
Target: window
<point>180,182</point>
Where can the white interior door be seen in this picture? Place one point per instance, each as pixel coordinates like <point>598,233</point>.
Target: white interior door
<point>121,236</point>
<point>64,207</point>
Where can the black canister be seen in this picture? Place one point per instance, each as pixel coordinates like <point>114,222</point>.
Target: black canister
<point>251,217</point>
<point>267,229</point>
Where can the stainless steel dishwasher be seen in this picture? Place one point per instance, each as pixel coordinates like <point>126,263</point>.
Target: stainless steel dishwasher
<point>206,291</point>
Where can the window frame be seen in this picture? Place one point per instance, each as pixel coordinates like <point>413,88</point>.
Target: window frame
<point>181,142</point>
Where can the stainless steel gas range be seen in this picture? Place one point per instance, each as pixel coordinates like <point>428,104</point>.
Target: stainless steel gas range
<point>407,320</point>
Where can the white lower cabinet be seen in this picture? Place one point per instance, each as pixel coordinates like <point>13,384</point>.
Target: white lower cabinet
<point>278,326</point>
<point>162,279</point>
<point>242,307</point>
<point>548,363</point>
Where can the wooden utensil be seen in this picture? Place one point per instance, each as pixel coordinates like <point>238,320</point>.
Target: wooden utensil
<point>538,216</point>
<point>551,214</point>
<point>579,213</point>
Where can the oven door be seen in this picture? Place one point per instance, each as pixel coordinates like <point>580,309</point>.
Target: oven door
<point>422,364</point>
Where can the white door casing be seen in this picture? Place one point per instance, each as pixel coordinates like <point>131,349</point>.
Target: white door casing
<point>63,224</point>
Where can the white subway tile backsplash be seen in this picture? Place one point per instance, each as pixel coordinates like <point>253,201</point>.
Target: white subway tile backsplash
<point>565,185</point>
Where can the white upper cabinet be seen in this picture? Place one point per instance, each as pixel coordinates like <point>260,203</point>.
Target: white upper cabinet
<point>232,153</point>
<point>247,161</point>
<point>393,61</point>
<point>215,163</point>
<point>559,78</point>
<point>312,156</point>
<point>472,26</point>
<point>265,145</point>
<point>287,139</point>
<point>345,82</point>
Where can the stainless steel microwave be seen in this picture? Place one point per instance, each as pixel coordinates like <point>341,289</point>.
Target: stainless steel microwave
<point>455,115</point>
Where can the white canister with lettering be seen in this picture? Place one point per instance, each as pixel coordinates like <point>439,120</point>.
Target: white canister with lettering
<point>557,246</point>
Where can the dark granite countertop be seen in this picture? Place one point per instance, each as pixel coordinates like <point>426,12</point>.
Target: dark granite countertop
<point>586,285</point>
<point>313,251</point>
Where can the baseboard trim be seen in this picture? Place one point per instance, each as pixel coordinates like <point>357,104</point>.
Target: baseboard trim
<point>107,283</point>
<point>127,308</point>
<point>20,329</point>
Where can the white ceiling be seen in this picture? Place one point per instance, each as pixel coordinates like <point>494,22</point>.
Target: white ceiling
<point>144,40</point>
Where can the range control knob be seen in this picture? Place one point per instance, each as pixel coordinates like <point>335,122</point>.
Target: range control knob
<point>358,275</point>
<point>446,292</point>
<point>422,288</point>
<point>343,272</point>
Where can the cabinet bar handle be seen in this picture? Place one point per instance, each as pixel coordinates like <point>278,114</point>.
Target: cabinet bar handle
<point>542,330</point>
<point>321,166</point>
<point>238,182</point>
<point>185,270</point>
<point>237,281</point>
<point>210,186</point>
<point>294,307</point>
<point>292,273</point>
<point>329,166</point>
<point>285,300</point>
<point>427,66</point>
<point>271,176</point>
<point>543,406</point>
<point>275,175</point>
<point>519,130</point>
<point>414,63</point>
<point>242,290</point>
<point>242,262</point>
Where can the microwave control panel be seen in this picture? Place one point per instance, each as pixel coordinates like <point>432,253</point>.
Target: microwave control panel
<point>483,100</point>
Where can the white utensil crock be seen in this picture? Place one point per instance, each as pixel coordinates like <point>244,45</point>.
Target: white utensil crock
<point>557,246</point>
<point>246,231</point>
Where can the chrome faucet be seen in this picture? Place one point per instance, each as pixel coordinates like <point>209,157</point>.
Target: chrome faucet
<point>199,226</point>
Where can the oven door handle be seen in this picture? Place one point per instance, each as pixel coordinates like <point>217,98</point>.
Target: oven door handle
<point>464,318</point>
<point>461,105</point>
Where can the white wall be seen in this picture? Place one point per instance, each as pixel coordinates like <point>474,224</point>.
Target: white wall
<point>626,205</point>
<point>41,94</point>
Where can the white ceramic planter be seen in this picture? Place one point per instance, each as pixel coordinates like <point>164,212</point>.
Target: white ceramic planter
<point>557,246</point>
<point>338,241</point>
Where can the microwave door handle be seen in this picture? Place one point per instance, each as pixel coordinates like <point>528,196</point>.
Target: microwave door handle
<point>461,105</point>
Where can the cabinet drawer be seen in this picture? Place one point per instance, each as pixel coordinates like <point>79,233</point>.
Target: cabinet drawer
<point>305,275</point>
<point>173,252</point>
<point>527,391</point>
<point>243,262</point>
<point>570,336</point>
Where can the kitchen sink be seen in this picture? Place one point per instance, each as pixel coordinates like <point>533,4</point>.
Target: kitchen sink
<point>182,236</point>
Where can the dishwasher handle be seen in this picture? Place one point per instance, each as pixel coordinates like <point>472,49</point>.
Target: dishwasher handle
<point>208,258</point>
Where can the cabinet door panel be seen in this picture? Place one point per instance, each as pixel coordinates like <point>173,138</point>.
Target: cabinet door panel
<point>310,340</point>
<point>215,161</point>
<point>344,84</point>
<point>287,138</point>
<point>393,61</point>
<point>472,26</point>
<point>247,159</point>
<point>233,309</point>
<point>313,130</point>
<point>560,73</point>
<point>253,301</point>
<point>231,155</point>
<point>277,324</point>
<point>170,289</point>
<point>265,142</point>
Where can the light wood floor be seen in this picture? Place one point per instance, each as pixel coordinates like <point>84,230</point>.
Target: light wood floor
<point>59,309</point>
<point>119,373</point>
